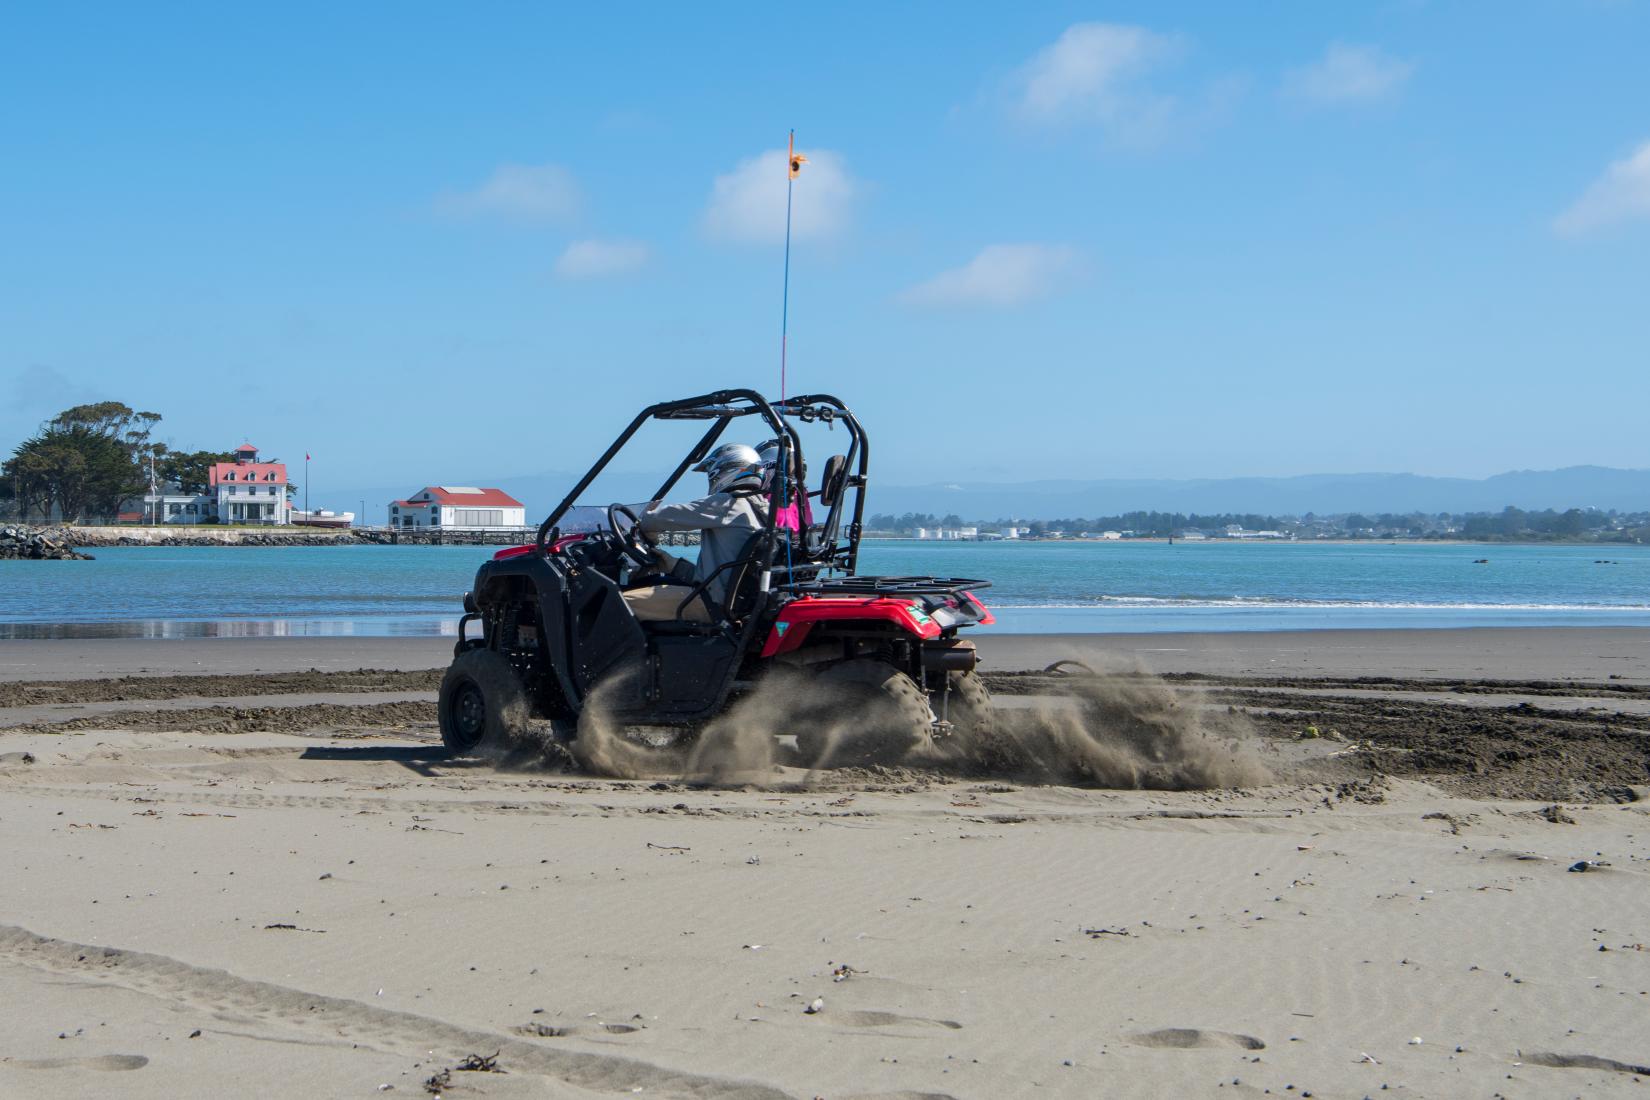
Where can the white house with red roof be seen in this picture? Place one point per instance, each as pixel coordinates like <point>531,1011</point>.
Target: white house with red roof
<point>249,491</point>
<point>459,508</point>
<point>244,491</point>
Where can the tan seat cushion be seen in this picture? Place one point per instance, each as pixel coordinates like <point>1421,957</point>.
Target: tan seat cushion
<point>658,603</point>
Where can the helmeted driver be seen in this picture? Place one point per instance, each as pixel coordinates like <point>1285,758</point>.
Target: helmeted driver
<point>725,519</point>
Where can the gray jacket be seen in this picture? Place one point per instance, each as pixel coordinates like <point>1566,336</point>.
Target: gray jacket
<point>725,521</point>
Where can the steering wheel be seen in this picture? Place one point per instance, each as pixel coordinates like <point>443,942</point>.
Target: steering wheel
<point>632,542</point>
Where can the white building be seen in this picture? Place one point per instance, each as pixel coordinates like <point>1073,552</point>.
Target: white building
<point>459,508</point>
<point>1111,536</point>
<point>244,491</point>
<point>169,507</point>
<point>249,491</point>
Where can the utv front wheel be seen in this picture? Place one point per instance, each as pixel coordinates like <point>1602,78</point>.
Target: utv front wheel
<point>482,705</point>
<point>862,712</point>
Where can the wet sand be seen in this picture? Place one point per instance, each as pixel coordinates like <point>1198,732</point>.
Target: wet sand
<point>216,883</point>
<point>1495,652</point>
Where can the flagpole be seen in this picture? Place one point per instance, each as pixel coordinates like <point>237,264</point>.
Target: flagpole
<point>306,484</point>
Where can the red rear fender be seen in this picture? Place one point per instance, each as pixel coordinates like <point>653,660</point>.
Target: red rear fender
<point>797,619</point>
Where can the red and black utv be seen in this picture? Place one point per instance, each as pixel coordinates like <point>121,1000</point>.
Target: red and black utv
<point>877,661</point>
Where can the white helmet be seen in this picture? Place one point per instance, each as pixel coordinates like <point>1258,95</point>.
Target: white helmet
<point>730,465</point>
<point>768,452</point>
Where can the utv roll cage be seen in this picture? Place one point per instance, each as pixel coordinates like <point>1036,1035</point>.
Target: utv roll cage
<point>823,546</point>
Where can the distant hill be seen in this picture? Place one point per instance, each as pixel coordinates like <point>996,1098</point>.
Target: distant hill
<point>1571,487</point>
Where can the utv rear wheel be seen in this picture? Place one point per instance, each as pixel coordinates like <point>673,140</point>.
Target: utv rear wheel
<point>967,705</point>
<point>862,712</point>
<point>482,706</point>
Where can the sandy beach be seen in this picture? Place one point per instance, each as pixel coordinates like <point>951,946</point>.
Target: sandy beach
<point>248,867</point>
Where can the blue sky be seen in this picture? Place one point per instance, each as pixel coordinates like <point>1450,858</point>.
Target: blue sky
<point>443,243</point>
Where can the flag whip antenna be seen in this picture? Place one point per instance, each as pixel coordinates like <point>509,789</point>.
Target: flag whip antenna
<point>793,165</point>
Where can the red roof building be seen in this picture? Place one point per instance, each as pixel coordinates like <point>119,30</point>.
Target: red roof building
<point>242,492</point>
<point>459,508</point>
<point>249,491</point>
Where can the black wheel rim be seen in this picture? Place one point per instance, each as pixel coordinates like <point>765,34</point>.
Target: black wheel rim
<point>468,711</point>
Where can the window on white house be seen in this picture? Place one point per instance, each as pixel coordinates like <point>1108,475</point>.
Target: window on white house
<point>478,517</point>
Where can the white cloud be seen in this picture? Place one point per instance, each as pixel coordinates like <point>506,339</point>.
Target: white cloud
<point>747,205</point>
<point>1092,74</point>
<point>598,259</point>
<point>1349,74</point>
<point>518,192</point>
<point>1621,194</point>
<point>1001,275</point>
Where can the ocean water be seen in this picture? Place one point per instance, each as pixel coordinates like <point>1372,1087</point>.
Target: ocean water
<point>1046,586</point>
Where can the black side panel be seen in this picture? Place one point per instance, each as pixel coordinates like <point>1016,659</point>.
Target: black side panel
<point>532,574</point>
<point>604,636</point>
<point>690,672</point>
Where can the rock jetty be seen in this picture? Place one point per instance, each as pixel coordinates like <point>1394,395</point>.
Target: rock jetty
<point>39,544</point>
<point>211,535</point>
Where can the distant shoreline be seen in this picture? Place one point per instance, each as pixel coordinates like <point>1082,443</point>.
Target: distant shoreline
<point>1266,542</point>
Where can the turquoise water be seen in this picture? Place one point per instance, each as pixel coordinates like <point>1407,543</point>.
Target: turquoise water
<point>1049,586</point>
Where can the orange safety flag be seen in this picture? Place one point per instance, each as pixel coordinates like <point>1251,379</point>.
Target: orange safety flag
<point>797,160</point>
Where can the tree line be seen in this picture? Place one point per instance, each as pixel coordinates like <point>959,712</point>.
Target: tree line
<point>1509,523</point>
<point>1154,524</point>
<point>87,461</point>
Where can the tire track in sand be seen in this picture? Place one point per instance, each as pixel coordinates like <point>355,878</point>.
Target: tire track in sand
<point>220,992</point>
<point>391,806</point>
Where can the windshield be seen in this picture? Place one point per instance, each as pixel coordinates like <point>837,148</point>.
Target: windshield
<point>583,519</point>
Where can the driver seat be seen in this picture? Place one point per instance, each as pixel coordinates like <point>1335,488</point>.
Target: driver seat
<point>657,611</point>
<point>658,603</point>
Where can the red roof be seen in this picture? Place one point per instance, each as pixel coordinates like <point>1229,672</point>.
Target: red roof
<point>467,497</point>
<point>244,447</point>
<point>248,472</point>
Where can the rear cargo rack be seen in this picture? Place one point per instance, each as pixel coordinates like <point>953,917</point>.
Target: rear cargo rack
<point>891,586</point>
